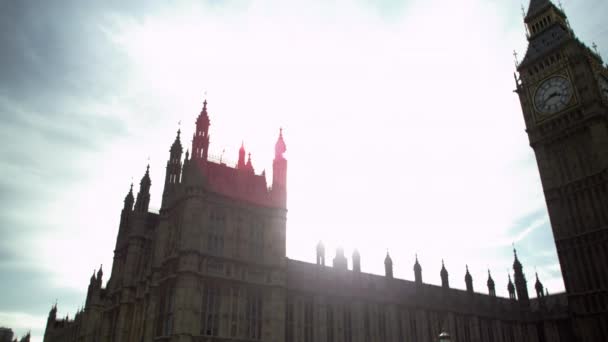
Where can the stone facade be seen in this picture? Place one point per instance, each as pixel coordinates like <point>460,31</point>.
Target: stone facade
<point>211,265</point>
<point>563,89</point>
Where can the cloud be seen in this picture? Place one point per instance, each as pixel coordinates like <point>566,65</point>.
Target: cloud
<point>401,125</point>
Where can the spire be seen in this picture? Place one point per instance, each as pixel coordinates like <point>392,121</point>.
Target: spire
<point>521,286</point>
<point>417,272</point>
<point>249,165</point>
<point>516,264</point>
<point>388,266</point>
<point>100,274</point>
<point>176,147</point>
<point>340,261</point>
<point>129,199</point>
<point>320,254</point>
<point>511,288</point>
<point>143,197</point>
<point>538,286</point>
<point>356,261</point>
<point>200,140</point>
<point>491,285</point>
<point>468,280</point>
<point>279,173</point>
<point>280,147</point>
<point>241,163</point>
<point>445,283</point>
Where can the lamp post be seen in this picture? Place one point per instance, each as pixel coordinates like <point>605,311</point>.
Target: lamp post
<point>444,337</point>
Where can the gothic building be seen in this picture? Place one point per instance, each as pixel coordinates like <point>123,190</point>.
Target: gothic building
<point>211,266</point>
<point>563,90</point>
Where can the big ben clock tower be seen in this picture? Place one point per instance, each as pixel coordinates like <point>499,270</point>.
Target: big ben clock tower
<point>563,90</point>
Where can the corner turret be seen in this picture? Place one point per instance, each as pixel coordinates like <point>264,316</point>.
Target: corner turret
<point>445,283</point>
<point>388,266</point>
<point>468,280</point>
<point>143,197</point>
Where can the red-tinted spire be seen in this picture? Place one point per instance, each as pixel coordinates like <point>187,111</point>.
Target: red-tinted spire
<point>249,165</point>
<point>241,163</point>
<point>279,147</point>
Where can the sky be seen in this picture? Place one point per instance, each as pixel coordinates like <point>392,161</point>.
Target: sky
<point>402,129</point>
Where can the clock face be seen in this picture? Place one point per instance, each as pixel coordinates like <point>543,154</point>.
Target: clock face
<point>603,81</point>
<point>553,95</point>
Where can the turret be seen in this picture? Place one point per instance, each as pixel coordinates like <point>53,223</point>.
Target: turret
<point>279,172</point>
<point>468,280</point>
<point>129,200</point>
<point>241,163</point>
<point>511,288</point>
<point>417,272</point>
<point>91,290</point>
<point>124,215</point>
<point>538,286</point>
<point>320,254</point>
<point>99,276</point>
<point>174,164</point>
<point>491,285</point>
<point>143,197</point>
<point>521,286</point>
<point>356,261</point>
<point>445,283</point>
<point>52,317</point>
<point>249,165</point>
<point>200,140</point>
<point>340,261</point>
<point>388,266</point>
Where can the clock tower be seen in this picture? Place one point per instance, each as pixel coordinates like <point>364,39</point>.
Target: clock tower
<point>563,90</point>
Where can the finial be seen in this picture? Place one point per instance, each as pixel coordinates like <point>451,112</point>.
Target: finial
<point>515,54</point>
<point>595,48</point>
<point>559,4</point>
<point>523,11</point>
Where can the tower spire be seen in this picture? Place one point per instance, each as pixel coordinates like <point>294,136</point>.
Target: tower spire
<point>143,197</point>
<point>279,172</point>
<point>538,286</point>
<point>520,281</point>
<point>241,163</point>
<point>511,288</point>
<point>200,140</point>
<point>445,283</point>
<point>491,285</point>
<point>417,272</point>
<point>388,266</point>
<point>468,280</point>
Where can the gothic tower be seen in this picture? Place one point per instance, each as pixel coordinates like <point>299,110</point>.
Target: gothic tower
<point>563,91</point>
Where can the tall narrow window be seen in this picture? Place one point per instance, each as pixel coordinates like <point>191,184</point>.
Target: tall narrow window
<point>330,323</point>
<point>289,331</point>
<point>210,307</point>
<point>308,321</point>
<point>235,307</point>
<point>348,324</point>
<point>256,241</point>
<point>166,308</point>
<point>253,314</point>
<point>399,326</point>
<point>366,325</point>
<point>215,235</point>
<point>382,325</point>
<point>414,333</point>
